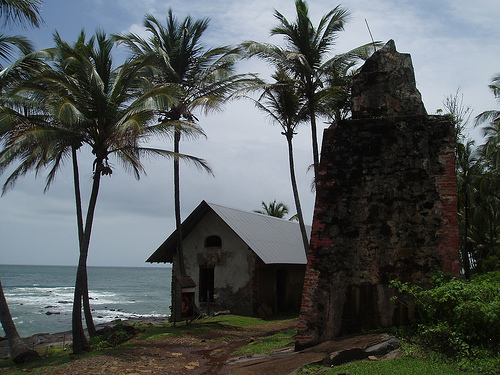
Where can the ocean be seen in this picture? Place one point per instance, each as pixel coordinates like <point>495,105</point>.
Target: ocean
<point>40,298</point>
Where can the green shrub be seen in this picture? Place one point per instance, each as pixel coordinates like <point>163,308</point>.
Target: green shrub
<point>456,313</point>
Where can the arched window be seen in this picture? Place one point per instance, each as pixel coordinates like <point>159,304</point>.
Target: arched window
<point>213,241</point>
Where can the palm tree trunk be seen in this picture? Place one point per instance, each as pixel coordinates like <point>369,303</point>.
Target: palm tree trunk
<point>19,351</point>
<point>295,190</point>
<point>312,114</point>
<point>87,311</point>
<point>79,217</point>
<point>465,251</point>
<point>177,203</point>
<point>80,342</point>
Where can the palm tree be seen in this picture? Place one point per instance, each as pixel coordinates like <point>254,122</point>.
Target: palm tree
<point>491,130</point>
<point>205,77</point>
<point>282,103</point>
<point>489,196</point>
<point>306,56</point>
<point>484,219</point>
<point>279,210</point>
<point>109,111</point>
<point>311,45</point>
<point>468,173</point>
<point>334,99</point>
<point>20,10</point>
<point>492,115</point>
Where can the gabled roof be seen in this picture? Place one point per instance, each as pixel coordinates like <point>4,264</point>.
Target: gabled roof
<point>275,241</point>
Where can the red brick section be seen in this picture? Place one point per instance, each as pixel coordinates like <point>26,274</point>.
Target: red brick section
<point>318,240</point>
<point>447,187</point>
<point>307,310</point>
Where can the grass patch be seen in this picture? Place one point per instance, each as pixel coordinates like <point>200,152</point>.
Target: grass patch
<point>236,320</point>
<point>399,366</point>
<point>160,332</point>
<point>50,357</point>
<point>200,326</point>
<point>268,344</point>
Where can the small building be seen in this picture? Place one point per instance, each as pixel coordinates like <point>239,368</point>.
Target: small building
<point>245,262</point>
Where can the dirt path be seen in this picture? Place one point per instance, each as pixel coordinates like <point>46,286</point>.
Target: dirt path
<point>189,352</point>
<point>205,348</point>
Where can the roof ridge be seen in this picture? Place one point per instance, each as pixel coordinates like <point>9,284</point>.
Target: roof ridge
<point>251,212</point>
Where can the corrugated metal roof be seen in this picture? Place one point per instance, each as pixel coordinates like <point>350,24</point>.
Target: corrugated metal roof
<point>275,241</point>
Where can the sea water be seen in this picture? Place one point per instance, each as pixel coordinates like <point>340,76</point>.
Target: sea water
<point>40,298</point>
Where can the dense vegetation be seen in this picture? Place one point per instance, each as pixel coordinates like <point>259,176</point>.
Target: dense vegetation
<point>458,319</point>
<point>478,190</point>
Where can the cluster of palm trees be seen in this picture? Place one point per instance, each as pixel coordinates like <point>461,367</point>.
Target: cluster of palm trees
<point>478,173</point>
<point>309,81</point>
<point>71,99</point>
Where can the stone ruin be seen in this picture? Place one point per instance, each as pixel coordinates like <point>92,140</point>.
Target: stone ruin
<point>386,205</point>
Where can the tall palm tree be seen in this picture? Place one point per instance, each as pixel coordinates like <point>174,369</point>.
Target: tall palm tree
<point>204,76</point>
<point>108,110</point>
<point>282,103</point>
<point>16,11</point>
<point>306,55</point>
<point>468,174</point>
<point>311,45</point>
<point>489,195</point>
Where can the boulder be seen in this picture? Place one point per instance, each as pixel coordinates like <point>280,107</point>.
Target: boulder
<point>384,347</point>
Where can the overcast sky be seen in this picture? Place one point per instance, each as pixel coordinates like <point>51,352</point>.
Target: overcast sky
<point>453,43</point>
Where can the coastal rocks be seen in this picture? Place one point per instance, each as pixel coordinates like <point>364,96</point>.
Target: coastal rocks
<point>117,334</point>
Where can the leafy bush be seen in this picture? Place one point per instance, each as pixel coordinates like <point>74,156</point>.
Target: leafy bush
<point>456,313</point>
<point>110,336</point>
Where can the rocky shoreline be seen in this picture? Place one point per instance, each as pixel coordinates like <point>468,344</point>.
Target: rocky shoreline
<point>40,341</point>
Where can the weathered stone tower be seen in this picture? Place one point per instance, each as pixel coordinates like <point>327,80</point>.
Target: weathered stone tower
<point>386,205</point>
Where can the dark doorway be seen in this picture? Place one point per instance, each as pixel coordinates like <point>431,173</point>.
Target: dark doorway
<point>281,276</point>
<point>206,284</point>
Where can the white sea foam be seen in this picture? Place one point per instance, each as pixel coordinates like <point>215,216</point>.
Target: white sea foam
<point>40,298</point>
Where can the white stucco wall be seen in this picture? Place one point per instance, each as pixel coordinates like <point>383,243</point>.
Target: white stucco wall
<point>232,263</point>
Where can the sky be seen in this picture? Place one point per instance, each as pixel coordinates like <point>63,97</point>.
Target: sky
<point>453,45</point>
